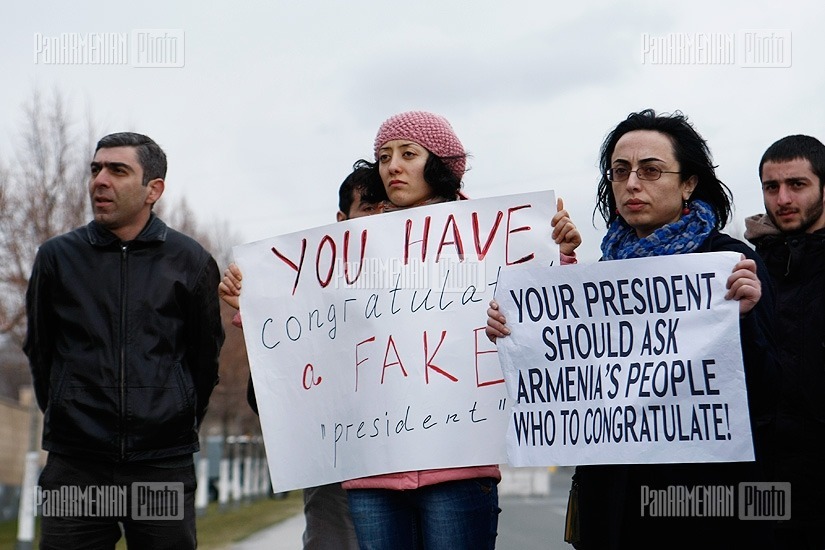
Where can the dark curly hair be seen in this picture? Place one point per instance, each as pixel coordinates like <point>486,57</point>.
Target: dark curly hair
<point>444,183</point>
<point>358,181</point>
<point>691,152</point>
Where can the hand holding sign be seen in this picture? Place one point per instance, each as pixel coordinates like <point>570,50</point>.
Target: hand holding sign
<point>365,339</point>
<point>743,285</point>
<point>610,368</point>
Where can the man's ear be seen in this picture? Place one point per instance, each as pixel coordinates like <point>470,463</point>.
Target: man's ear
<point>156,187</point>
<point>340,216</point>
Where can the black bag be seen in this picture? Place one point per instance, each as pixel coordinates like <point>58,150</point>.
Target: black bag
<point>571,520</point>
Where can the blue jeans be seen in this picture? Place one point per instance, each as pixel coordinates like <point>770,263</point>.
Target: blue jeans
<point>454,515</point>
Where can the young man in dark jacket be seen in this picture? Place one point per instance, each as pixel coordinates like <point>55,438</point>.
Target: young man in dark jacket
<point>124,333</point>
<point>790,237</point>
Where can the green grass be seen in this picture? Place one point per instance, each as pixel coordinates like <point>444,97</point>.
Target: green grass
<point>217,530</point>
<point>8,534</point>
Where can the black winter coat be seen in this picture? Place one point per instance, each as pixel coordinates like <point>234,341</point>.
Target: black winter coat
<point>610,495</point>
<point>796,264</point>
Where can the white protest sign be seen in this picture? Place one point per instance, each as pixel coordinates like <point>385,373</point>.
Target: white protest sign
<point>366,338</point>
<point>621,362</point>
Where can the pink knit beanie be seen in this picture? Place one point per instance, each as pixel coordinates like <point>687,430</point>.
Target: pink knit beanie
<point>431,131</point>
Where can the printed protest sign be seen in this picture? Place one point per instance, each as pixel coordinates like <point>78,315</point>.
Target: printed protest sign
<point>630,361</point>
<point>366,338</point>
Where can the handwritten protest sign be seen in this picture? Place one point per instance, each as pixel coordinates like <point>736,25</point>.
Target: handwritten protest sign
<point>366,338</point>
<point>631,361</point>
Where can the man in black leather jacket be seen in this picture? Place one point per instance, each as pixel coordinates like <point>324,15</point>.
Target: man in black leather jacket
<point>790,237</point>
<point>124,333</point>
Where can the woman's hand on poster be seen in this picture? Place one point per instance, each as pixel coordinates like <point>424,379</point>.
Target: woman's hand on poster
<point>496,327</point>
<point>565,233</point>
<point>744,285</point>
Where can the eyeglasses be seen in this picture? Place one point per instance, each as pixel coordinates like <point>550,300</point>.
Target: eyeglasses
<point>646,173</point>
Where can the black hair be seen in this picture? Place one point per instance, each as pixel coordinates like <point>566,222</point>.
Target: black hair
<point>443,182</point>
<point>691,152</point>
<point>358,181</point>
<point>797,147</point>
<point>150,156</point>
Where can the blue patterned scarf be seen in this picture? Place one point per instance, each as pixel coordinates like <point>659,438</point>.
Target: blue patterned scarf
<point>680,237</point>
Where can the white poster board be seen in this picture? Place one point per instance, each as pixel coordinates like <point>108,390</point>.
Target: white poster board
<point>366,338</point>
<point>629,361</point>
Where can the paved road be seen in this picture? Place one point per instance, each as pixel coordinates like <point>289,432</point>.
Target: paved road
<point>526,523</point>
<point>532,523</point>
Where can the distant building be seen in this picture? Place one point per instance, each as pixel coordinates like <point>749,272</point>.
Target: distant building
<point>20,425</point>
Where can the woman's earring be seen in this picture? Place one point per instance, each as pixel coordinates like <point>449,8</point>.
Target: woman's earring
<point>685,209</point>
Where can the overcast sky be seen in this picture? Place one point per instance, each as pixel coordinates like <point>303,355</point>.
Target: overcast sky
<point>276,99</point>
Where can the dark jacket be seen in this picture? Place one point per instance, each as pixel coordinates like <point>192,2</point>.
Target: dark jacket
<point>609,495</point>
<point>796,264</point>
<point>123,342</point>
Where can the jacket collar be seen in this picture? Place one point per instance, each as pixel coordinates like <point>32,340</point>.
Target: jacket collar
<point>759,226</point>
<point>154,231</point>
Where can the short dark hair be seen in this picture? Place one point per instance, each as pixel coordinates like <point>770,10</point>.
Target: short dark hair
<point>797,147</point>
<point>691,152</point>
<point>444,183</point>
<point>442,180</point>
<point>358,181</point>
<point>151,157</point>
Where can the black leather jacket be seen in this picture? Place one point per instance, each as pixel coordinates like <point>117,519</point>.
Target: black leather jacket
<point>123,342</point>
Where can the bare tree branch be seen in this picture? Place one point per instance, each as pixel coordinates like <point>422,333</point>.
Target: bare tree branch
<point>44,193</point>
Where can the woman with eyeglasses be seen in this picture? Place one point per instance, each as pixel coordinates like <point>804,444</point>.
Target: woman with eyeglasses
<point>659,196</point>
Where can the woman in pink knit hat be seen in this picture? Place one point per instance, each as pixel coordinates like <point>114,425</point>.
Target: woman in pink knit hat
<point>421,161</point>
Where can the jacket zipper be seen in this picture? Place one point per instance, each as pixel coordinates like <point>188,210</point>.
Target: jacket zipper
<point>790,253</point>
<point>123,257</point>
